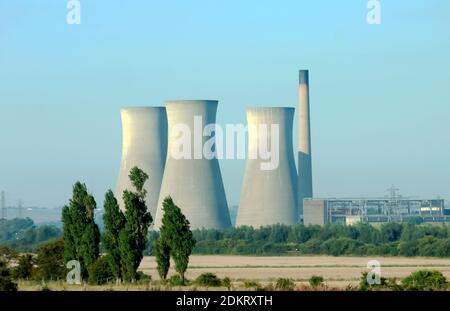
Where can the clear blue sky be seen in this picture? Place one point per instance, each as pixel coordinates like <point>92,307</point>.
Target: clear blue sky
<point>380,94</point>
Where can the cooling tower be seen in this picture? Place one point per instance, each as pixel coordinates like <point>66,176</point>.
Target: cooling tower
<point>305,187</point>
<point>144,144</point>
<point>269,196</point>
<point>193,181</point>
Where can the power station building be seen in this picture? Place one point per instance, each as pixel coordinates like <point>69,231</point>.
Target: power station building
<point>192,180</point>
<point>354,210</point>
<point>269,195</point>
<point>144,144</point>
<point>169,145</point>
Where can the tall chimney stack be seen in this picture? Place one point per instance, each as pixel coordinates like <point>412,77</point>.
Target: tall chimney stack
<point>305,188</point>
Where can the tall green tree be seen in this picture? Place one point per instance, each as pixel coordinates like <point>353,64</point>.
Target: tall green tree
<point>133,238</point>
<point>80,232</point>
<point>175,231</point>
<point>114,222</point>
<point>162,254</point>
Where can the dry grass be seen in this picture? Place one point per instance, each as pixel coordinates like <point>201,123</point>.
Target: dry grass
<point>338,272</point>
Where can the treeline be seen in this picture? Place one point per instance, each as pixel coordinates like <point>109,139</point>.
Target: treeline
<point>46,264</point>
<point>99,258</point>
<point>124,237</point>
<point>390,239</point>
<point>23,235</point>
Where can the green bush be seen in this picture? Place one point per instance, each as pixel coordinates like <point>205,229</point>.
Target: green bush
<point>285,284</point>
<point>425,281</point>
<point>227,283</point>
<point>50,261</point>
<point>268,288</point>
<point>100,272</point>
<point>176,280</point>
<point>141,276</point>
<point>24,267</point>
<point>6,283</point>
<point>251,284</point>
<point>316,281</point>
<point>365,286</point>
<point>208,280</point>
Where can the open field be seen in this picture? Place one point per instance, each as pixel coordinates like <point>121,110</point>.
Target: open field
<point>338,272</point>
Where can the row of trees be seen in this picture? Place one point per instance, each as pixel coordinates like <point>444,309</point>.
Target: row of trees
<point>362,239</point>
<point>125,234</point>
<point>22,235</point>
<point>114,254</point>
<point>47,264</point>
<point>124,237</point>
<point>366,233</point>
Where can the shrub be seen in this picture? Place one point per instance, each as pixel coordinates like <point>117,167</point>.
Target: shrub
<point>141,276</point>
<point>425,281</point>
<point>365,286</point>
<point>251,284</point>
<point>50,261</point>
<point>6,284</point>
<point>227,283</point>
<point>268,288</point>
<point>208,280</point>
<point>285,284</point>
<point>176,280</point>
<point>316,281</point>
<point>24,268</point>
<point>100,272</point>
<point>7,254</point>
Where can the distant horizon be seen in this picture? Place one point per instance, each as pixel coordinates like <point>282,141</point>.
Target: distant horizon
<point>231,206</point>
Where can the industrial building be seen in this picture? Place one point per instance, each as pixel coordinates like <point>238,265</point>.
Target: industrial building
<point>269,196</point>
<point>282,195</point>
<point>144,144</point>
<point>194,183</point>
<point>354,210</point>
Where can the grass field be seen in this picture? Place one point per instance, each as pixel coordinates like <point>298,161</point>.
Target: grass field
<point>338,272</point>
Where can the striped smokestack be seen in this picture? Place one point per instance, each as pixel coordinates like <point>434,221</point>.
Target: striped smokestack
<point>305,188</point>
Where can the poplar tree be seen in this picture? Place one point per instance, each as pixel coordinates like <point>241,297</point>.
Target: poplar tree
<point>162,254</point>
<point>114,222</point>
<point>175,231</point>
<point>80,233</point>
<point>133,237</point>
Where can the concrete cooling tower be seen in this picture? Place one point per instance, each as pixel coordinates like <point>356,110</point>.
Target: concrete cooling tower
<point>305,187</point>
<point>144,144</point>
<point>269,196</point>
<point>193,181</point>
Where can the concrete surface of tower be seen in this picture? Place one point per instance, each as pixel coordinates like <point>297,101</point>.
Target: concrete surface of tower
<point>269,196</point>
<point>194,182</point>
<point>144,144</point>
<point>305,186</point>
